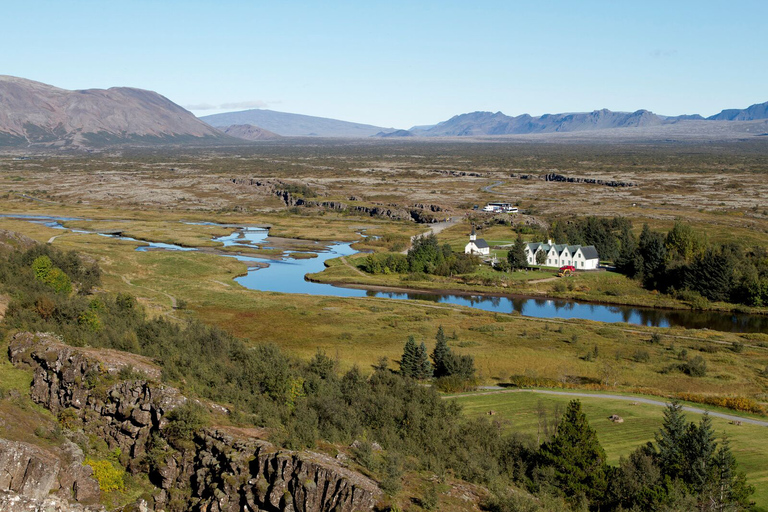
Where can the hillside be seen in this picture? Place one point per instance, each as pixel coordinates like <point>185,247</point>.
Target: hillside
<point>751,113</point>
<point>293,125</point>
<point>249,132</point>
<point>36,113</point>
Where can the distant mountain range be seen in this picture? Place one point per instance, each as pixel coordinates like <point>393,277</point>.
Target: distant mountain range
<point>484,124</point>
<point>35,113</point>
<point>294,125</point>
<point>489,123</point>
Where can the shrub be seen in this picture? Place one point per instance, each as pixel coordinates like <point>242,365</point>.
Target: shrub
<point>183,422</point>
<point>110,478</point>
<point>695,367</point>
<point>641,356</point>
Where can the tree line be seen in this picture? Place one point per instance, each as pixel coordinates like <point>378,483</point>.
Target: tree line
<point>451,371</point>
<point>425,256</point>
<point>681,261</point>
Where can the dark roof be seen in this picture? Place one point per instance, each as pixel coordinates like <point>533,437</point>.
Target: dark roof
<point>481,244</point>
<point>589,252</point>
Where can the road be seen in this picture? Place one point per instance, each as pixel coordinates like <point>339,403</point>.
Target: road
<point>604,396</point>
<point>489,188</point>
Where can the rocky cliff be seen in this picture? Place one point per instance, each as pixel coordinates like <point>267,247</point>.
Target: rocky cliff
<point>221,470</point>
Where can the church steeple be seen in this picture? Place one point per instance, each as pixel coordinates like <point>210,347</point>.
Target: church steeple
<point>472,235</point>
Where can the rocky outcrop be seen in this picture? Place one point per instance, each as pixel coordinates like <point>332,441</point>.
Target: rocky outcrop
<point>30,472</point>
<point>228,472</point>
<point>552,176</point>
<point>420,213</point>
<point>14,502</point>
<point>223,470</point>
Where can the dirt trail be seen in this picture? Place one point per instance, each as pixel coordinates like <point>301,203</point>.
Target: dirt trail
<point>171,297</point>
<point>348,264</point>
<point>436,228</point>
<point>607,396</point>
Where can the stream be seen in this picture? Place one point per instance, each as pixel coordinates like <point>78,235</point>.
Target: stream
<point>286,275</point>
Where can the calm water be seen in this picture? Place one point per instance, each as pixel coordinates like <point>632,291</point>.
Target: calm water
<point>287,276</point>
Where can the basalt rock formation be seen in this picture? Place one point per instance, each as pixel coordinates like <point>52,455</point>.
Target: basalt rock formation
<point>420,213</point>
<point>221,470</point>
<point>552,176</point>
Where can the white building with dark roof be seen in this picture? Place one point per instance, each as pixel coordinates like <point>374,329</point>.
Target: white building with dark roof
<point>560,255</point>
<point>476,246</point>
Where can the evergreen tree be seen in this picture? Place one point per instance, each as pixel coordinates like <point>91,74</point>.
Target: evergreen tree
<point>423,366</point>
<point>408,363</point>
<point>461,366</point>
<point>440,353</point>
<point>628,262</point>
<point>669,441</point>
<point>653,252</point>
<point>699,447</point>
<point>729,489</point>
<point>516,255</point>
<point>576,457</point>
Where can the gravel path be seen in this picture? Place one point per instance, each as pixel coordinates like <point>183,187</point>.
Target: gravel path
<point>649,401</point>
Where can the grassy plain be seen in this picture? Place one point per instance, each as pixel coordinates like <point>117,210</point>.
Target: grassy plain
<point>520,412</point>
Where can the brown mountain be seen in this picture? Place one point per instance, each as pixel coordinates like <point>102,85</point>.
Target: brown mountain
<point>249,132</point>
<point>36,113</point>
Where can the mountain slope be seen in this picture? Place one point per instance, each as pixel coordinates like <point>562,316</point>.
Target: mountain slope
<point>488,123</point>
<point>751,113</point>
<point>293,125</point>
<point>249,132</point>
<point>33,112</point>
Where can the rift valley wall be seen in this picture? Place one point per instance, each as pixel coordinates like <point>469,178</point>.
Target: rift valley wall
<point>222,470</point>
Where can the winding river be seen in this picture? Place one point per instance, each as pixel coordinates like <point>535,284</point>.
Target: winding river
<point>287,276</point>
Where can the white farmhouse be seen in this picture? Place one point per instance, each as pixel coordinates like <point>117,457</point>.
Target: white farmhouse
<point>476,246</point>
<point>560,255</point>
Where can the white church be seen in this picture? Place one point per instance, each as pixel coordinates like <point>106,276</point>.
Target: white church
<point>478,247</point>
<point>561,255</point>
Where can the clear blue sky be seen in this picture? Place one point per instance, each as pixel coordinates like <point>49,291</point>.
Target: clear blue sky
<point>400,63</point>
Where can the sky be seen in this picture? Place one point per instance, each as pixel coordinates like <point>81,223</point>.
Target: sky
<point>400,63</point>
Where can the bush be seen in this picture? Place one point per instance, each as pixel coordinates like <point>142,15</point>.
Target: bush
<point>110,478</point>
<point>695,367</point>
<point>183,422</point>
<point>641,356</point>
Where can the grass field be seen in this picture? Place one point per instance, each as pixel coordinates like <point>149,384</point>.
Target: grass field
<point>518,412</point>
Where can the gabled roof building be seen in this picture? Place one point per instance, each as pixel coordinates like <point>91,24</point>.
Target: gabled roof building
<point>476,246</point>
<point>560,255</point>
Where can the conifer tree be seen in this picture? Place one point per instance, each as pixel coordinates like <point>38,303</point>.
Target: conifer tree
<point>698,447</point>
<point>576,457</point>
<point>669,440</point>
<point>440,353</point>
<point>409,358</point>
<point>423,368</point>
<point>516,255</point>
<point>729,489</point>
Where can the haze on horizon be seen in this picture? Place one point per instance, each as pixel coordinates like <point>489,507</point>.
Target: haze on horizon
<point>400,64</point>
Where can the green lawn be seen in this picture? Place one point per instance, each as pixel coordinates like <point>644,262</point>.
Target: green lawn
<point>519,412</point>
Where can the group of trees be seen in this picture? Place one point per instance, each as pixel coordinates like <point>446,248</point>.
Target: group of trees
<point>306,401</point>
<point>680,261</point>
<point>684,261</point>
<point>426,255</point>
<point>452,371</point>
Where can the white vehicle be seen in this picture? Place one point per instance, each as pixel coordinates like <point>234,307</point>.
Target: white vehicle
<point>500,207</point>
